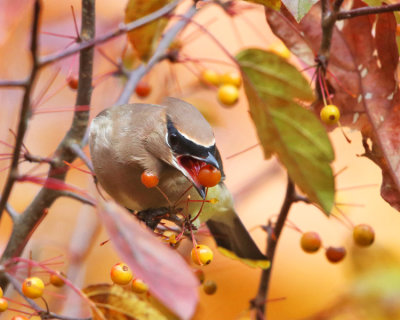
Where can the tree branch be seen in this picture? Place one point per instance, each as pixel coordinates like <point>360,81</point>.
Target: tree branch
<point>159,54</point>
<point>13,83</point>
<point>36,211</point>
<point>367,10</point>
<point>25,112</point>
<point>274,231</point>
<point>124,28</point>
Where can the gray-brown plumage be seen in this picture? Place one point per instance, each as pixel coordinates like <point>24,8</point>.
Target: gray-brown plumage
<point>167,140</point>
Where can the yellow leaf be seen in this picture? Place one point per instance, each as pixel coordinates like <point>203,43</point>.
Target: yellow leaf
<point>144,39</point>
<point>117,303</point>
<point>262,264</point>
<point>273,4</point>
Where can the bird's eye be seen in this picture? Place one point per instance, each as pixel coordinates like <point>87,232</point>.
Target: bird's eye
<point>173,140</point>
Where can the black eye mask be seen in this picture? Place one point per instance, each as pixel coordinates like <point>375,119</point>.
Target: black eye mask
<point>183,146</point>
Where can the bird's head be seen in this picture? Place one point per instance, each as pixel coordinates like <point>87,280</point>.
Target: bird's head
<point>190,141</point>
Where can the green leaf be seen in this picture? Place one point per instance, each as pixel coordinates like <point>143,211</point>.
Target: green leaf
<point>299,8</point>
<point>273,88</point>
<point>273,4</point>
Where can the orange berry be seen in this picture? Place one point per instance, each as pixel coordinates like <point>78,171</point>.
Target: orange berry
<point>363,235</point>
<point>228,94</point>
<point>3,305</point>
<point>330,114</point>
<point>150,180</point>
<point>335,254</point>
<point>139,286</point>
<point>1,292</point>
<point>310,242</point>
<point>209,176</point>
<point>73,82</point>
<point>233,78</point>
<point>202,254</point>
<point>210,77</point>
<point>121,274</point>
<point>56,280</point>
<point>19,317</point>
<point>209,287</point>
<point>33,287</point>
<point>143,89</point>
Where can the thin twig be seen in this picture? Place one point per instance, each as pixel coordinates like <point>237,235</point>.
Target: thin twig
<point>123,28</point>
<point>44,314</point>
<point>13,83</point>
<point>37,209</point>
<point>25,110</point>
<point>159,54</point>
<point>13,214</point>
<point>274,232</point>
<point>367,10</point>
<point>79,153</point>
<point>73,195</point>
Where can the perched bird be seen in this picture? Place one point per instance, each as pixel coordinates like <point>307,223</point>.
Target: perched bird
<point>170,141</point>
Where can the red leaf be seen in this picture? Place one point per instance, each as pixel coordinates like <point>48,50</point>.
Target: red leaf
<point>169,277</point>
<point>364,60</point>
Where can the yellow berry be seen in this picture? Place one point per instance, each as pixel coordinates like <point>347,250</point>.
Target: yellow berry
<point>330,114</point>
<point>56,280</point>
<point>209,287</point>
<point>228,94</point>
<point>19,317</point>
<point>202,255</point>
<point>33,287</point>
<point>210,77</point>
<point>280,49</point>
<point>363,235</point>
<point>139,286</point>
<point>1,292</point>
<point>233,78</point>
<point>3,305</point>
<point>121,274</point>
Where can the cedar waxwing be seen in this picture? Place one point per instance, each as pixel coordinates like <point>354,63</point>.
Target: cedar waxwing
<point>169,141</point>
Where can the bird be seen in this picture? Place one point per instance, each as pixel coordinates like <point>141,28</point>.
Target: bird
<point>169,141</point>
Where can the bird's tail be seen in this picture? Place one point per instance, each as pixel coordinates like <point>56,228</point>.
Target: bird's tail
<point>234,241</point>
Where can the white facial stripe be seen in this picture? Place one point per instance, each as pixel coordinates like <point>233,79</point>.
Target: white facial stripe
<point>197,142</point>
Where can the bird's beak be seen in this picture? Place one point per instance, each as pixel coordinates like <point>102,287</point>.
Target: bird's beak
<point>190,167</point>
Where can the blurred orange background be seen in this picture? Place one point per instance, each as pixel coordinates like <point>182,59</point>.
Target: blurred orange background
<point>303,284</point>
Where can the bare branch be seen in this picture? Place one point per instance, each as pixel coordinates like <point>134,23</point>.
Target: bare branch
<point>274,232</point>
<point>367,10</point>
<point>13,83</point>
<point>75,148</point>
<point>124,28</point>
<point>12,212</point>
<point>25,112</point>
<point>37,210</point>
<point>159,55</point>
<point>78,197</point>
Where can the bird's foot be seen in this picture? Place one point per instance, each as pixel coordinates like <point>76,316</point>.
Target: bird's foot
<point>153,216</point>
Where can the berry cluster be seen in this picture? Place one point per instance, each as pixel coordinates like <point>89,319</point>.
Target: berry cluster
<point>122,275</point>
<point>209,286</point>
<point>228,85</point>
<point>363,235</point>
